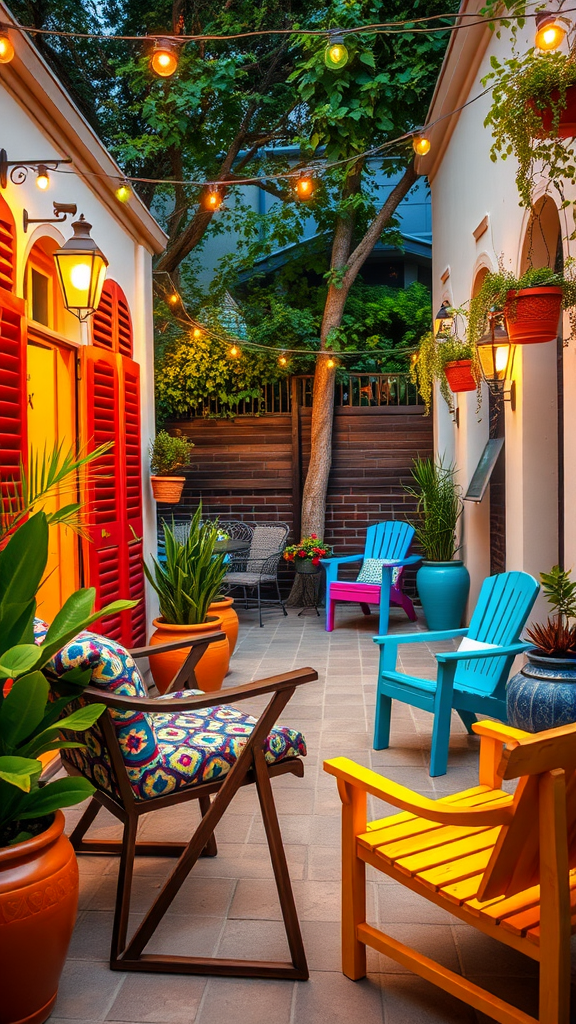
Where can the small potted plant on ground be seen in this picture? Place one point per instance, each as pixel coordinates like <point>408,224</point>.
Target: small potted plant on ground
<point>543,694</point>
<point>305,556</point>
<point>531,303</point>
<point>167,455</point>
<point>449,361</point>
<point>187,583</point>
<point>443,582</point>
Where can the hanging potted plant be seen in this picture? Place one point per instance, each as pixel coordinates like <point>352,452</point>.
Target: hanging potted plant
<point>543,694</point>
<point>533,110</point>
<point>305,556</point>
<point>531,304</point>
<point>449,361</point>
<point>187,583</point>
<point>443,582</point>
<point>167,455</point>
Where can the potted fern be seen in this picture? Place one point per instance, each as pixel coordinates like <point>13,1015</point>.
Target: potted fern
<point>443,582</point>
<point>543,694</point>
<point>449,361</point>
<point>167,455</point>
<point>531,304</point>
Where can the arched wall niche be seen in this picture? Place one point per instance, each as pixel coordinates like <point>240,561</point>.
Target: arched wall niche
<point>542,244</point>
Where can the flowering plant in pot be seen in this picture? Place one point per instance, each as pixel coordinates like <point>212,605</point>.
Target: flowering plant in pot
<point>533,110</point>
<point>167,455</point>
<point>443,582</point>
<point>543,694</point>
<point>38,870</point>
<point>531,303</point>
<point>187,583</point>
<point>306,555</point>
<point>451,362</point>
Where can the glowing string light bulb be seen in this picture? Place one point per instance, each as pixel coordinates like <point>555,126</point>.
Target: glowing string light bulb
<point>123,193</point>
<point>335,55</point>
<point>234,351</point>
<point>212,198</point>
<point>421,145</point>
<point>550,32</point>
<point>331,362</point>
<point>305,186</point>
<point>6,49</point>
<point>174,298</point>
<point>196,333</point>
<point>164,60</point>
<point>282,360</point>
<point>42,178</point>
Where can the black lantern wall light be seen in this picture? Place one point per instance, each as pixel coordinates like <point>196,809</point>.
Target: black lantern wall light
<point>496,357</point>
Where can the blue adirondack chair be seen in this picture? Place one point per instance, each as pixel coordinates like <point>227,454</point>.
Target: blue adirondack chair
<point>471,680</point>
<point>385,551</point>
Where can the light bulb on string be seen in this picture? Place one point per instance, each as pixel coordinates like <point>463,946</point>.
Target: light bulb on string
<point>196,333</point>
<point>282,360</point>
<point>164,60</point>
<point>421,145</point>
<point>305,186</point>
<point>414,358</point>
<point>335,55</point>
<point>42,178</point>
<point>331,363</point>
<point>174,298</point>
<point>212,198</point>
<point>123,193</point>
<point>550,32</point>
<point>6,49</point>
<point>234,351</point>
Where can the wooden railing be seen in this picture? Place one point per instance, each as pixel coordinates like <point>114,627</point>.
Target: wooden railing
<point>353,390</point>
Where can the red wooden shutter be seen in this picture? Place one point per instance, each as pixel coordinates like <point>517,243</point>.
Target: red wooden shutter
<point>13,391</point>
<point>112,324</point>
<point>103,321</point>
<point>7,248</point>
<point>124,324</point>
<point>133,490</point>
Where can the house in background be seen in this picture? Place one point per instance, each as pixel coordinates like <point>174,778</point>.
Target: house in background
<point>525,521</point>
<point>62,380</point>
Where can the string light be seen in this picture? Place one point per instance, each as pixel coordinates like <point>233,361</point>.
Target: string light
<point>174,298</point>
<point>305,186</point>
<point>123,193</point>
<point>331,362</point>
<point>212,198</point>
<point>196,333</point>
<point>421,145</point>
<point>42,178</point>
<point>234,351</point>
<point>550,32</point>
<point>335,54</point>
<point>6,49</point>
<point>282,360</point>
<point>164,60</point>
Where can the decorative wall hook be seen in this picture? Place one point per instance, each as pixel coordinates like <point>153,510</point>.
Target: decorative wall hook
<point>60,209</point>
<point>17,170</point>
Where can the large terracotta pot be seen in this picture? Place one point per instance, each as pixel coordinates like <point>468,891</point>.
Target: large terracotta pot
<point>567,119</point>
<point>459,376</point>
<point>38,903</point>
<point>533,315</point>
<point>168,488</point>
<point>223,608</point>
<point>213,664</point>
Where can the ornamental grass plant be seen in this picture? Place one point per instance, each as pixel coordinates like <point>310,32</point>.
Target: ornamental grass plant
<point>439,507</point>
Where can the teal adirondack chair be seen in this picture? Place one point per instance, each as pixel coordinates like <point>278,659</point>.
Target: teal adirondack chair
<point>471,680</point>
<point>385,550</point>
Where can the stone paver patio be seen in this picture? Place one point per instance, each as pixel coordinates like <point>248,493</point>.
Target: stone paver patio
<point>228,906</point>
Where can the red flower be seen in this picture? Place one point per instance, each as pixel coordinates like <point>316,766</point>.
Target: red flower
<point>302,554</point>
<point>313,536</point>
<point>316,561</point>
<point>8,684</point>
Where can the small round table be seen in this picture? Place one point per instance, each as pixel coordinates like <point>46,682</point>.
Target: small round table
<point>230,546</point>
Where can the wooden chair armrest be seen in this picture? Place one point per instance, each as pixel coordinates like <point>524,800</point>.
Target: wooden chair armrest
<point>157,706</point>
<point>174,645</point>
<point>494,736</point>
<point>491,652</point>
<point>499,731</point>
<point>349,773</point>
<point>417,638</point>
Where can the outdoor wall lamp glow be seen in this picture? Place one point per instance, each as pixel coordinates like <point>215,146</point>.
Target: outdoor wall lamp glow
<point>81,269</point>
<point>444,319</point>
<point>17,170</point>
<point>496,357</point>
<point>550,31</point>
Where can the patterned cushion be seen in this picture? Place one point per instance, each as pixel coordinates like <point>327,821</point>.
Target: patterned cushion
<point>371,571</point>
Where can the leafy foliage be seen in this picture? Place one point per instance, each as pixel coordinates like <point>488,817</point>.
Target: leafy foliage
<point>169,454</point>
<point>192,575</point>
<point>493,294</point>
<point>439,508</point>
<point>30,716</point>
<point>557,637</point>
<point>430,362</point>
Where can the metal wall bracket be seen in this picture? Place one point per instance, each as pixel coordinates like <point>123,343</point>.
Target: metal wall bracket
<point>62,210</point>
<point>17,170</point>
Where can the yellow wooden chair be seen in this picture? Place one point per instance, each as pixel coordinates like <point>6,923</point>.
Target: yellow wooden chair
<point>504,864</point>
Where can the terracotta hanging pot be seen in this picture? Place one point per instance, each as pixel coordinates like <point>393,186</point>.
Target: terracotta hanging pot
<point>533,315</point>
<point>459,376</point>
<point>168,488</point>
<point>38,903</point>
<point>567,121</point>
<point>223,608</point>
<point>213,664</point>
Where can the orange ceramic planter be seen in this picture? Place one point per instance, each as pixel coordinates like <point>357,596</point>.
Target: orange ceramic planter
<point>38,903</point>
<point>168,488</point>
<point>213,664</point>
<point>227,613</point>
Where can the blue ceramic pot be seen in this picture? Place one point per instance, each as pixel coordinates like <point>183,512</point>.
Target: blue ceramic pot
<point>443,589</point>
<point>543,694</point>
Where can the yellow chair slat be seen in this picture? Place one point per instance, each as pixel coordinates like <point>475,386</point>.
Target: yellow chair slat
<point>455,871</point>
<point>454,848</point>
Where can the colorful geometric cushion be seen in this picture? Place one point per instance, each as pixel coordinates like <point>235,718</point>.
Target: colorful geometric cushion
<point>371,571</point>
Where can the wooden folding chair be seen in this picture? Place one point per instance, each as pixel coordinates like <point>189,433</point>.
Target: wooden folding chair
<point>214,796</point>
<point>503,864</point>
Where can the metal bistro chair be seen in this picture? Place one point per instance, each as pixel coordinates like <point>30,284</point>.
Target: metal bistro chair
<point>259,566</point>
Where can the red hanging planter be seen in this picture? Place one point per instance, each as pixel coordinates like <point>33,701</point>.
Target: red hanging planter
<point>532,315</point>
<point>459,376</point>
<point>567,122</point>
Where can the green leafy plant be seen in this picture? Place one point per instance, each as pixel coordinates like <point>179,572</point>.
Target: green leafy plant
<point>309,547</point>
<point>556,637</point>
<point>169,454</point>
<point>430,363</point>
<point>192,575</point>
<point>493,293</point>
<point>522,88</point>
<point>31,711</point>
<point>439,507</point>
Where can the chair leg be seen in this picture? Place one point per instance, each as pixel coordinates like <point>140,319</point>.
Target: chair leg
<point>382,721</point>
<point>365,609</point>
<point>440,742</point>
<point>330,607</point>
<point>353,883</point>
<point>401,599</point>
<point>385,602</point>
<point>282,605</point>
<point>260,607</point>
<point>124,890</point>
<point>468,719</point>
<point>211,848</point>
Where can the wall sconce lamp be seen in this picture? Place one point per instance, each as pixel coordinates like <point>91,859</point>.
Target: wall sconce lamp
<point>61,211</point>
<point>444,319</point>
<point>81,268</point>
<point>496,356</point>
<point>17,170</point>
